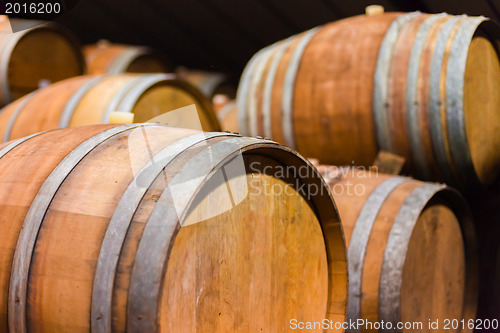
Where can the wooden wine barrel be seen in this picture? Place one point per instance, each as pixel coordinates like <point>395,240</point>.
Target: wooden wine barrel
<point>418,85</point>
<point>90,99</point>
<point>209,83</point>
<point>44,52</point>
<point>97,240</point>
<point>228,117</point>
<point>105,57</point>
<point>411,249</point>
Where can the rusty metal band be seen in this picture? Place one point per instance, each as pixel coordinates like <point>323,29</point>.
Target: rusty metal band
<point>102,291</point>
<point>253,91</point>
<point>144,82</point>
<point>242,97</point>
<point>16,143</point>
<point>121,63</point>
<point>381,80</point>
<point>165,219</point>
<point>73,102</point>
<point>359,242</point>
<point>413,98</point>
<point>395,254</point>
<point>455,117</point>
<point>25,246</point>
<point>289,86</point>
<point>13,118</point>
<point>269,86</point>
<point>435,102</point>
<point>118,97</point>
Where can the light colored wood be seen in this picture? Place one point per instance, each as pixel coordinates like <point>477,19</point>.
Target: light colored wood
<point>74,226</point>
<point>482,92</point>
<point>160,100</point>
<point>248,271</point>
<point>436,255</point>
<point>41,53</point>
<point>269,258</point>
<point>15,199</point>
<point>374,10</point>
<point>44,109</point>
<point>117,117</point>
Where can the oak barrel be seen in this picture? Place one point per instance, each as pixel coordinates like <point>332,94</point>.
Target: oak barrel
<point>412,250</point>
<point>104,57</point>
<point>90,99</point>
<point>147,228</point>
<point>43,53</point>
<point>422,86</point>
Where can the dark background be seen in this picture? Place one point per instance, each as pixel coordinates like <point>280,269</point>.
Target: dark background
<point>222,35</point>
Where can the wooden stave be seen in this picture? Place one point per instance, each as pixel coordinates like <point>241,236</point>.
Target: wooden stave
<point>33,221</point>
<point>268,148</point>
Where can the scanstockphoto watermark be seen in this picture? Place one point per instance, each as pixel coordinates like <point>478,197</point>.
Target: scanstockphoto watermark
<point>415,326</point>
<point>292,176</point>
<point>354,325</point>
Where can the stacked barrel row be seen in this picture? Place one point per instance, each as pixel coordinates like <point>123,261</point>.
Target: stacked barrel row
<point>418,85</point>
<point>45,53</point>
<point>92,99</point>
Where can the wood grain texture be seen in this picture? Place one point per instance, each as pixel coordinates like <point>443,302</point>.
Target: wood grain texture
<point>88,100</point>
<point>280,245</point>
<point>44,52</point>
<point>31,176</point>
<point>482,77</point>
<point>439,256</point>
